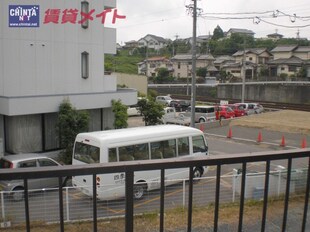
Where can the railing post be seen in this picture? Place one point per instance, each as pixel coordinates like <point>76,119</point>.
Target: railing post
<point>2,207</point>
<point>61,206</point>
<point>27,205</point>
<point>190,200</point>
<point>95,203</point>
<point>129,202</point>
<point>287,193</point>
<point>304,221</point>
<point>242,197</point>
<point>67,204</point>
<point>162,199</point>
<point>265,196</point>
<point>217,196</point>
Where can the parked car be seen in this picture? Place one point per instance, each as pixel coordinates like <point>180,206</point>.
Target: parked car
<point>224,112</point>
<point>238,109</point>
<point>258,108</point>
<point>180,105</point>
<point>248,107</point>
<point>203,113</point>
<point>165,100</point>
<point>133,110</point>
<point>30,160</point>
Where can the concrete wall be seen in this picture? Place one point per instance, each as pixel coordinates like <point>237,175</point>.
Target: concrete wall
<point>288,93</point>
<point>272,92</point>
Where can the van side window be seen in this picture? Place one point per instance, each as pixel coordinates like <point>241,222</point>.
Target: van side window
<point>199,144</point>
<point>156,151</point>
<point>141,151</point>
<point>183,146</point>
<point>125,153</point>
<point>112,155</point>
<point>169,148</point>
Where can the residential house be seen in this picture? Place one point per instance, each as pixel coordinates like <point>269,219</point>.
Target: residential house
<point>239,31</point>
<point>220,61</point>
<point>275,36</point>
<point>131,44</point>
<point>43,66</point>
<point>150,66</point>
<point>285,51</point>
<point>289,60</point>
<point>182,64</point>
<point>153,42</point>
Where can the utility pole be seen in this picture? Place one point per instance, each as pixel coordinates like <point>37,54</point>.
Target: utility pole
<point>193,8</point>
<point>243,73</point>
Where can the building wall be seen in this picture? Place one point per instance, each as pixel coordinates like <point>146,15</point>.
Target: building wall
<point>40,67</point>
<point>138,82</point>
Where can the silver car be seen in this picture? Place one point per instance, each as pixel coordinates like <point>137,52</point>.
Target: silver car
<point>30,160</point>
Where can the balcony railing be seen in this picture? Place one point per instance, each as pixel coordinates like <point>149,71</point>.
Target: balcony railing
<point>129,168</point>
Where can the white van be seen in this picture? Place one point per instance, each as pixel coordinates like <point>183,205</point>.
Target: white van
<point>139,143</point>
<point>202,113</point>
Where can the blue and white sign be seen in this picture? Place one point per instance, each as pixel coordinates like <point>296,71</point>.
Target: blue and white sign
<point>24,16</point>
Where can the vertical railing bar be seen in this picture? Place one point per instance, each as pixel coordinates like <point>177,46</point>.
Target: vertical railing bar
<point>287,193</point>
<point>190,200</point>
<point>304,220</point>
<point>95,227</point>
<point>217,197</point>
<point>162,199</point>
<point>265,195</point>
<point>129,201</point>
<point>26,196</point>
<point>61,205</point>
<point>242,196</point>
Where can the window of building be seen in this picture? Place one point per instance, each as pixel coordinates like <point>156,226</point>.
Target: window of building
<point>85,65</point>
<point>85,10</point>
<point>292,68</point>
<point>179,65</point>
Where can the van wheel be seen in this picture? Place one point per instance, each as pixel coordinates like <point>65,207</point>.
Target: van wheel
<point>18,194</point>
<point>197,173</point>
<point>138,191</point>
<point>202,120</point>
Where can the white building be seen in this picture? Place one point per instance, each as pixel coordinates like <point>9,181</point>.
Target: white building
<point>56,60</point>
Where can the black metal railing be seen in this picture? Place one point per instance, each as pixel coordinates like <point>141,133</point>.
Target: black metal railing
<point>130,167</point>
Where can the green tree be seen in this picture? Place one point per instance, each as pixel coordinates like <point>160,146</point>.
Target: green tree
<point>152,112</point>
<point>120,114</point>
<point>70,123</point>
<point>202,72</point>
<point>302,72</point>
<point>217,33</point>
<point>163,76</point>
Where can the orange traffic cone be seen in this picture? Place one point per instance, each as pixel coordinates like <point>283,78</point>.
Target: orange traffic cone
<point>304,143</point>
<point>259,137</point>
<point>282,141</point>
<point>229,135</point>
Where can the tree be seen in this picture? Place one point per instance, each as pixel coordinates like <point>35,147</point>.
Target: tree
<point>151,111</point>
<point>120,113</point>
<point>70,123</point>
<point>217,33</point>
<point>163,76</point>
<point>202,72</point>
<point>302,72</point>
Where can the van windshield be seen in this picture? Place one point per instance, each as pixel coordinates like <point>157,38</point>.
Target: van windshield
<point>86,153</point>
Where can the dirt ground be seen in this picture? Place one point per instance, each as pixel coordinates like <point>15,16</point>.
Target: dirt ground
<point>284,121</point>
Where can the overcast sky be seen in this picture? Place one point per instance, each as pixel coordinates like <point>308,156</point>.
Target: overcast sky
<point>170,18</point>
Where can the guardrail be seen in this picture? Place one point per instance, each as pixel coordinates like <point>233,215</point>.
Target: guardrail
<point>130,167</point>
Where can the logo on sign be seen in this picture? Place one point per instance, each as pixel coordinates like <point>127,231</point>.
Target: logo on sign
<point>24,16</point>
